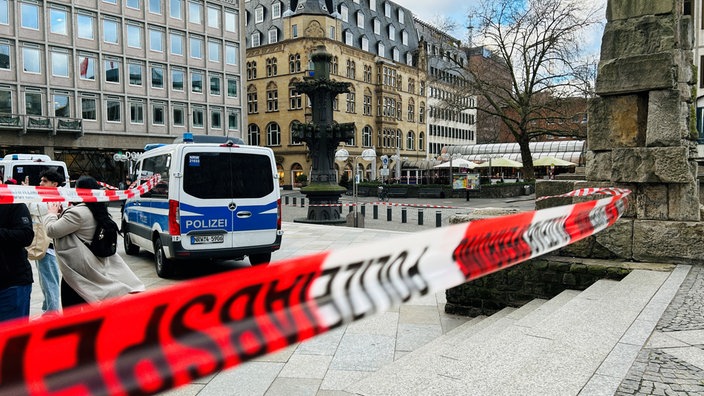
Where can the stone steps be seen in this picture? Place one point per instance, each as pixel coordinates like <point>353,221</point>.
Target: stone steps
<point>543,348</point>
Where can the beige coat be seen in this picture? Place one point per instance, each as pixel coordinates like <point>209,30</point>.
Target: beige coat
<point>93,278</point>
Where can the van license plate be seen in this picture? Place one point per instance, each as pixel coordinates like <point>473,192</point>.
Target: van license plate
<point>198,239</point>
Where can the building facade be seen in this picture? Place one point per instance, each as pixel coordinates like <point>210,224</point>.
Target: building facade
<point>83,79</point>
<point>374,45</point>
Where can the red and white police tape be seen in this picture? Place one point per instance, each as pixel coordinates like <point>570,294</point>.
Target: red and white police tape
<point>157,340</point>
<point>26,194</point>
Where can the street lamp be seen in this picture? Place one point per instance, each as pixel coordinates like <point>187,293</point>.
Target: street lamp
<point>343,155</point>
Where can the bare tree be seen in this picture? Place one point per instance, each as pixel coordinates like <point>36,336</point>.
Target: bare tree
<point>529,62</point>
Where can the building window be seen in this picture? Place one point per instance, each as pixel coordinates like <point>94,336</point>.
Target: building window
<point>214,17</point>
<point>214,51</point>
<point>198,115</point>
<point>158,77</point>
<point>334,65</point>
<point>216,118</point>
<point>178,118</point>
<point>377,27</point>
<point>231,54</point>
<point>137,112</point>
<point>256,39</point>
<point>272,98</point>
<point>59,64</point>
<point>294,98</point>
<point>231,21</point>
<point>421,141</point>
<point>195,12</point>
<point>350,69</point>
<point>392,33</point>
<point>294,63</point>
<point>360,19</point>
<point>404,37</point>
<point>421,113</point>
<point>135,71</point>
<point>5,60</point>
<point>113,110</point>
<point>155,6</point>
<point>58,21</point>
<point>177,77</point>
<point>134,36</point>
<point>387,9</point>
<point>271,68</point>
<point>381,49</point>
<point>349,37</point>
<point>197,82</point>
<point>31,58</point>
<point>111,31</point>
<point>196,47</point>
<point>410,141</point>
<point>276,10</point>
<point>158,114</point>
<point>86,67</point>
<point>112,71</point>
<point>367,136</point>
<point>294,31</point>
<point>367,105</point>
<point>5,102</point>
<point>29,16</point>
<point>253,134</point>
<point>232,87</point>
<point>4,12</point>
<point>259,14</point>
<point>350,102</point>
<point>85,26</point>
<point>251,70</point>
<point>215,85</point>
<point>175,10</point>
<point>134,4</point>
<point>88,109</point>
<point>62,106</point>
<point>273,35</point>
<point>233,120</point>
<point>273,134</point>
<point>176,44</point>
<point>365,44</point>
<point>156,40</point>
<point>332,33</point>
<point>252,106</point>
<point>33,103</point>
<point>411,111</point>
<point>344,12</point>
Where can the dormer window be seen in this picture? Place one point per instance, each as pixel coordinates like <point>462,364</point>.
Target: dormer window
<point>377,26</point>
<point>259,14</point>
<point>360,19</point>
<point>387,9</point>
<point>401,16</point>
<point>392,33</point>
<point>344,12</point>
<point>275,10</point>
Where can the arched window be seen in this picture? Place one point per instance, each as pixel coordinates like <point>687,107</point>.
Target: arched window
<point>421,113</point>
<point>253,134</point>
<point>421,141</point>
<point>251,70</point>
<point>411,110</point>
<point>271,67</point>
<point>273,134</point>
<point>351,101</point>
<point>294,97</point>
<point>410,141</point>
<point>367,136</point>
<point>334,65</point>
<point>252,105</point>
<point>272,97</point>
<point>294,63</point>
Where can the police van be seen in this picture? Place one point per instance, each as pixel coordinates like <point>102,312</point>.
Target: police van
<point>213,200</point>
<point>29,166</point>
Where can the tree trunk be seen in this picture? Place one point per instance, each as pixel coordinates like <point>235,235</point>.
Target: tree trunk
<point>528,170</point>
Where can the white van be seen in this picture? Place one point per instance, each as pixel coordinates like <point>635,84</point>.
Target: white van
<point>213,201</point>
<point>19,166</point>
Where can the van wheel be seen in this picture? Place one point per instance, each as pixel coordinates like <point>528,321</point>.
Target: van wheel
<point>164,266</point>
<point>260,259</point>
<point>130,248</point>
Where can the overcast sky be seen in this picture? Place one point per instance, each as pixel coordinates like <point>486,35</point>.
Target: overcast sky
<point>433,10</point>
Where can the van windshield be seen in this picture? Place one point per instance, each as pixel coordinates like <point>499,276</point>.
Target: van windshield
<point>227,175</point>
<point>19,172</point>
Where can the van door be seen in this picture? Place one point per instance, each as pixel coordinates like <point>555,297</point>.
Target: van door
<point>228,198</point>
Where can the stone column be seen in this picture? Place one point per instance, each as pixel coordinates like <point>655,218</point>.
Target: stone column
<point>641,134</point>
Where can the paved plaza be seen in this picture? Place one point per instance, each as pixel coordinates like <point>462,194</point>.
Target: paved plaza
<point>670,363</point>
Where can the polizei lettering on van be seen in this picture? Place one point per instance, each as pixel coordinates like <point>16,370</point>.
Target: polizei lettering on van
<point>206,224</point>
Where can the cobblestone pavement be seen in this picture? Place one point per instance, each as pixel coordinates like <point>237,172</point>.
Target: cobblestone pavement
<point>672,362</point>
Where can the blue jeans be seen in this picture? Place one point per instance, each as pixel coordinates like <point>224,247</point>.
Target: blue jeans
<point>49,282</point>
<point>14,302</point>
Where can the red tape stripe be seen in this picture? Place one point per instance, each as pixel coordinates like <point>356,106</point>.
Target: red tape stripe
<point>157,340</point>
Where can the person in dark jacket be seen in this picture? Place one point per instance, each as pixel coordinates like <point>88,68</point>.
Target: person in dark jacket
<point>15,271</point>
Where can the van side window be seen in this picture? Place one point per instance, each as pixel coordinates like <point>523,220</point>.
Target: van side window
<point>156,165</point>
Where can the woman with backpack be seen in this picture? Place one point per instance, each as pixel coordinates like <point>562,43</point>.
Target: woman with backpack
<point>87,277</point>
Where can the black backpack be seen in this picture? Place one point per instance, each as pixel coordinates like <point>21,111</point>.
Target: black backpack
<point>104,243</point>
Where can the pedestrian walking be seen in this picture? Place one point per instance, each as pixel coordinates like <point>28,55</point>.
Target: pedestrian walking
<point>86,277</point>
<point>15,270</point>
<point>47,266</point>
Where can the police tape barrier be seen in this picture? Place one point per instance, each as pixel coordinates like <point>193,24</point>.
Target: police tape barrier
<point>108,186</point>
<point>156,340</point>
<point>26,194</point>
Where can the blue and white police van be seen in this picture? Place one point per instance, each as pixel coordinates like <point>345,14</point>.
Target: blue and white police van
<point>213,200</point>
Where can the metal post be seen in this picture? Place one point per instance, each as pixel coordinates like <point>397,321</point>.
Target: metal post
<point>438,218</point>
<point>375,212</point>
<point>403,215</point>
<point>388,213</point>
<point>420,216</point>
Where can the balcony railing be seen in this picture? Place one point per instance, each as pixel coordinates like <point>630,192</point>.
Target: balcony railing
<point>24,124</point>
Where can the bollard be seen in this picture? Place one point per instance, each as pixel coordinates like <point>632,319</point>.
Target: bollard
<point>403,214</point>
<point>303,201</point>
<point>438,219</point>
<point>294,201</point>
<point>420,216</point>
<point>375,212</point>
<point>388,213</point>
<point>286,200</point>
<point>362,209</point>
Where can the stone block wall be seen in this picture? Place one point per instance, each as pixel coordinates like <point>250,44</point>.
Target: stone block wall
<point>641,136</point>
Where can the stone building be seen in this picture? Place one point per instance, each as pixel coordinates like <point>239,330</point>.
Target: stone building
<point>374,47</point>
<point>83,79</point>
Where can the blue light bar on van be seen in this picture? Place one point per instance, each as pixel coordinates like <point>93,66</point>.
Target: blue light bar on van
<point>152,146</point>
<point>187,137</point>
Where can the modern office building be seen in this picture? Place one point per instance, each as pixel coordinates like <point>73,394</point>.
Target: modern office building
<point>83,79</point>
<point>374,46</point>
